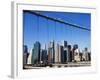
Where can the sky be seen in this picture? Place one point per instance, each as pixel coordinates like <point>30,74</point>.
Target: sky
<point>37,28</point>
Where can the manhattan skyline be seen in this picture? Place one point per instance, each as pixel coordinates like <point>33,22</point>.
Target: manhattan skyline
<point>43,30</point>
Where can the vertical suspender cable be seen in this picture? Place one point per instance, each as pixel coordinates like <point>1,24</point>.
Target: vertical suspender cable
<point>47,26</point>
<point>38,28</point>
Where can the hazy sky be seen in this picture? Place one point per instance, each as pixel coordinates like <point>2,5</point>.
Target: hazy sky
<point>44,30</point>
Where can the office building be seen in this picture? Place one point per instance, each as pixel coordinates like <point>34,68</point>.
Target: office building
<point>69,54</point>
<point>25,54</point>
<point>87,56</point>
<point>77,55</point>
<point>36,53</point>
<point>62,54</point>
<point>44,56</point>
<point>75,46</point>
<point>65,54</point>
<point>29,61</point>
<point>57,53</point>
<point>49,55</point>
<point>65,43</point>
<point>51,52</point>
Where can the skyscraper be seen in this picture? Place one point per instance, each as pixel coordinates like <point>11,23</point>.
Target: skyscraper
<point>62,54</point>
<point>65,54</point>
<point>25,54</point>
<point>36,53</point>
<point>69,55</point>
<point>51,52</point>
<point>86,54</point>
<point>89,56</point>
<point>29,61</point>
<point>49,55</point>
<point>57,53</point>
<point>33,57</point>
<point>75,46</point>
<point>25,49</point>
<point>65,43</point>
<point>76,53</point>
<point>44,55</point>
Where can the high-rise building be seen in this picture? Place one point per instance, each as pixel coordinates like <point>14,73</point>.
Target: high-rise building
<point>89,56</point>
<point>86,54</point>
<point>81,56</point>
<point>62,54</point>
<point>77,55</point>
<point>33,57</point>
<point>69,54</point>
<point>36,53</point>
<point>65,54</point>
<point>75,46</point>
<point>29,61</point>
<point>44,56</point>
<point>25,49</point>
<point>65,43</point>
<point>51,52</point>
<point>57,53</point>
<point>49,55</point>
<point>25,54</point>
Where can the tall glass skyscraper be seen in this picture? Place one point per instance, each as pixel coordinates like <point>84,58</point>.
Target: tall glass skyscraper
<point>62,54</point>
<point>51,52</point>
<point>65,43</point>
<point>65,51</point>
<point>25,54</point>
<point>57,53</point>
<point>36,53</point>
<point>25,49</point>
<point>69,55</point>
<point>44,56</point>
